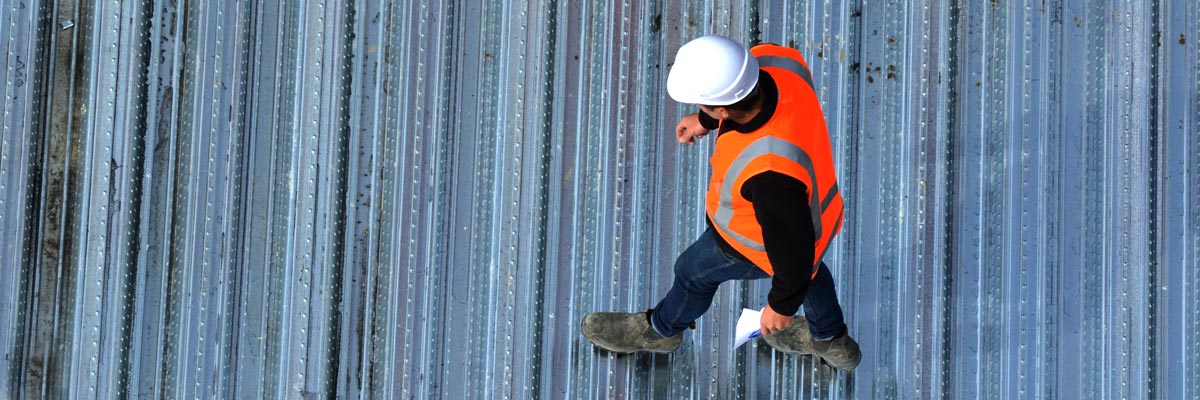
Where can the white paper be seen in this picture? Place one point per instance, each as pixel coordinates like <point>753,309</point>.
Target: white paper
<point>747,327</point>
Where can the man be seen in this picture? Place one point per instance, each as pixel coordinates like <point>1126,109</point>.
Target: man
<point>772,204</point>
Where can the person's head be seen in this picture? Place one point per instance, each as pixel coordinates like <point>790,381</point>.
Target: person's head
<point>716,73</point>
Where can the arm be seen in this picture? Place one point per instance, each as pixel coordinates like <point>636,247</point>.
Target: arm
<point>781,207</point>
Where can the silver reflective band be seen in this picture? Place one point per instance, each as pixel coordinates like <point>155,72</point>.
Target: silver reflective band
<point>761,147</point>
<point>829,195</point>
<point>788,64</point>
<point>837,227</point>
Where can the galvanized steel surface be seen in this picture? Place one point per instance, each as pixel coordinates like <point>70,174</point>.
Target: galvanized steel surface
<point>413,199</point>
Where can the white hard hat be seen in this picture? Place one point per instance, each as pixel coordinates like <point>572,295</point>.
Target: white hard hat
<point>713,71</point>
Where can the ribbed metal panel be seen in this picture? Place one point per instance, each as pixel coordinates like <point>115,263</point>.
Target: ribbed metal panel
<point>421,199</point>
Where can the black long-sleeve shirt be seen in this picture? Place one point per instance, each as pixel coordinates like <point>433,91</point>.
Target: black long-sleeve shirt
<point>781,207</point>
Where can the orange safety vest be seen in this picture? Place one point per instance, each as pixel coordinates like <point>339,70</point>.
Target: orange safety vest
<point>795,143</point>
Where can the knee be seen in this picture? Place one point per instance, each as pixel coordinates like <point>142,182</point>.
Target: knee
<point>685,270</point>
<point>689,277</point>
<point>681,266</point>
<point>683,274</point>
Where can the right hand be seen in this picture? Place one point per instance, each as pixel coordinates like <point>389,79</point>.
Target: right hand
<point>689,129</point>
<point>772,322</point>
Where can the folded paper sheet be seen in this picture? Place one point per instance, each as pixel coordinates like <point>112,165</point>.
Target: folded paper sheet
<point>747,327</point>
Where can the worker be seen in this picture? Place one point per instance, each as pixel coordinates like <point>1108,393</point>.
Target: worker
<point>773,205</point>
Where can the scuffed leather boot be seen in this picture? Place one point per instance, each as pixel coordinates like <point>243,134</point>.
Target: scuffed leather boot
<point>626,333</point>
<point>795,339</point>
<point>841,352</point>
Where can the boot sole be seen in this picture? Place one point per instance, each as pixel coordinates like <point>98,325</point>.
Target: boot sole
<point>625,351</point>
<point>610,350</point>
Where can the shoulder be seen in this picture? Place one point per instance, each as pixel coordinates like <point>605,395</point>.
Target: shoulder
<point>771,49</point>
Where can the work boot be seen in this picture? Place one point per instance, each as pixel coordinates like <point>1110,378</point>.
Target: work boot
<point>841,352</point>
<point>795,339</point>
<point>626,333</point>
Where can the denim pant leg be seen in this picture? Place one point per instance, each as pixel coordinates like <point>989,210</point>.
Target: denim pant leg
<point>699,271</point>
<point>821,306</point>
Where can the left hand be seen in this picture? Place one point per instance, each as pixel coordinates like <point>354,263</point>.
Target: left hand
<point>773,322</point>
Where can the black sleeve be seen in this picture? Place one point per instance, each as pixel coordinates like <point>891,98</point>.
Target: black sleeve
<point>708,122</point>
<point>781,207</point>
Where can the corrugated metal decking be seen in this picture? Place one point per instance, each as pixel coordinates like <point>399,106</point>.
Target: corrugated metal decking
<point>410,199</point>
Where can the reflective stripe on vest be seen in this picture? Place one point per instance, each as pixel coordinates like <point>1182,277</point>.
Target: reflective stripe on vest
<point>836,227</point>
<point>788,64</point>
<point>761,147</point>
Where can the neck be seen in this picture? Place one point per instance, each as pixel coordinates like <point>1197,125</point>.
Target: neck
<point>744,117</point>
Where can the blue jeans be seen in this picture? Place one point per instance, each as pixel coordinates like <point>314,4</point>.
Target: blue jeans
<point>701,269</point>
